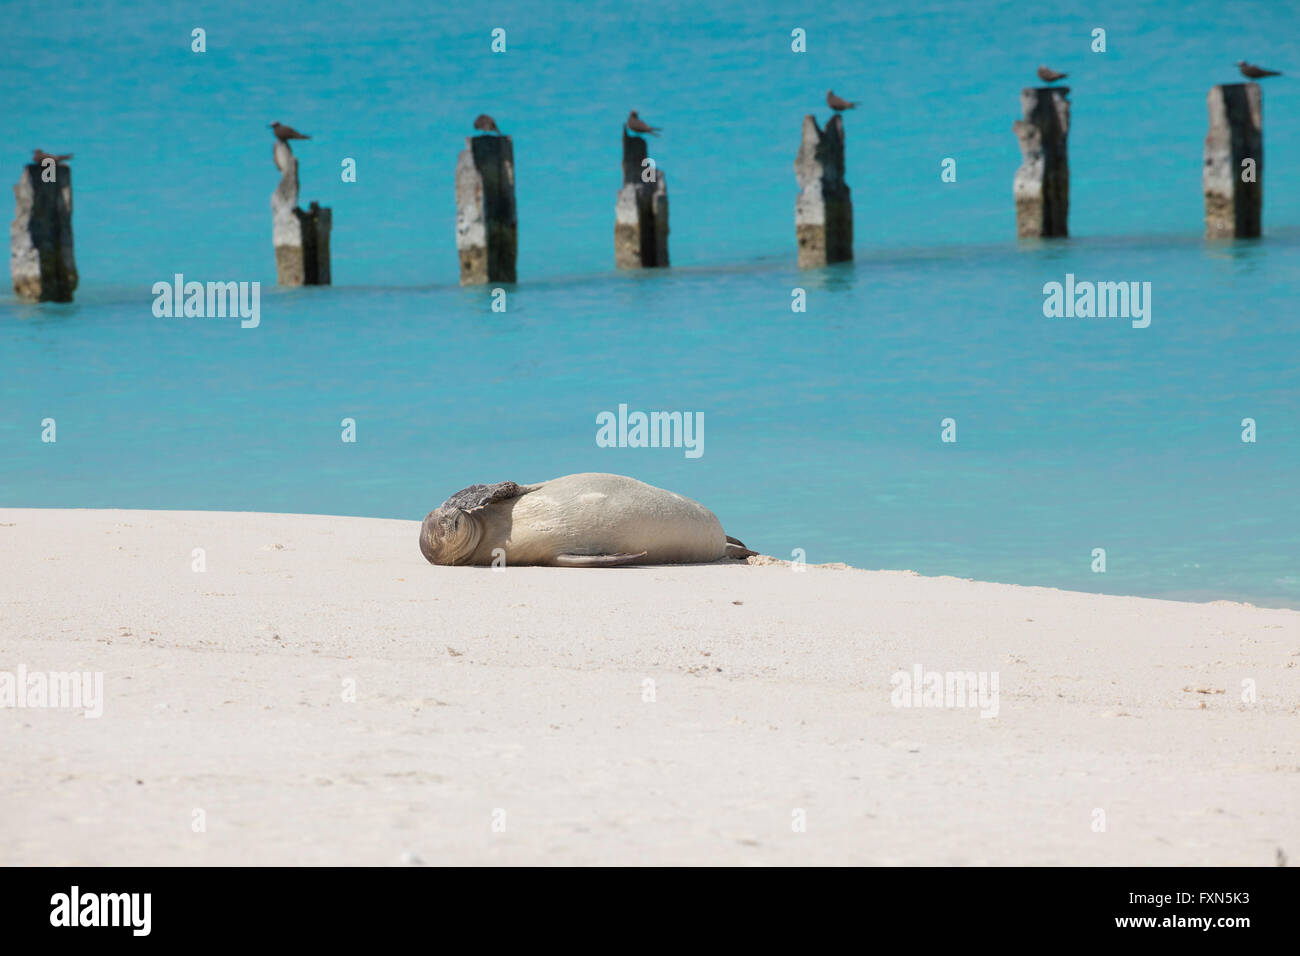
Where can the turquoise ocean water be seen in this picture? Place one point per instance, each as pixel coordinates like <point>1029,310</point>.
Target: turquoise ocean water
<point>822,429</point>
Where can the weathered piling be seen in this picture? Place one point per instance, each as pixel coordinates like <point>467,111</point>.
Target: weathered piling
<point>486,228</point>
<point>823,211</point>
<point>641,213</point>
<point>1042,183</point>
<point>1233,176</point>
<point>40,237</point>
<point>302,239</point>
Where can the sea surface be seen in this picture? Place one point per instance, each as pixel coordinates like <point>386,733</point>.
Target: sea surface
<point>822,428</point>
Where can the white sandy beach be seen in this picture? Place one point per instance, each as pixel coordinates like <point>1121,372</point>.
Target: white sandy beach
<point>522,691</point>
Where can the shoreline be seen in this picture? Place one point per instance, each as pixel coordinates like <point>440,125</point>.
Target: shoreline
<point>323,696</point>
<point>762,560</point>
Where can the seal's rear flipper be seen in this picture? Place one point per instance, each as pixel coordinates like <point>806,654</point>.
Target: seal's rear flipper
<point>737,550</point>
<point>595,560</point>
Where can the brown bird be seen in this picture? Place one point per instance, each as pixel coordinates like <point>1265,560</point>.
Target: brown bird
<point>285,133</point>
<point>637,125</point>
<point>1253,72</point>
<point>838,103</point>
<point>1050,76</point>
<point>39,156</point>
<point>486,123</point>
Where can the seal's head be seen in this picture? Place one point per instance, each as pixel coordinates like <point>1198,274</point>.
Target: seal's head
<point>450,534</point>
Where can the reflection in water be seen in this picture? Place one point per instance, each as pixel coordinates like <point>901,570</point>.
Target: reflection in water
<point>838,277</point>
<point>1247,254</point>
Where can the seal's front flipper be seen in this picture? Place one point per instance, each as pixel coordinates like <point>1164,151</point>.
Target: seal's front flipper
<point>595,560</point>
<point>480,496</point>
<point>736,549</point>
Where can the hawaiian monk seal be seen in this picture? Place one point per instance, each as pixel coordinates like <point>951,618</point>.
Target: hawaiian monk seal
<point>578,521</point>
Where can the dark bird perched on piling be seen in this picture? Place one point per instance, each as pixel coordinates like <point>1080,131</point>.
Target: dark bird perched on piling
<point>1253,72</point>
<point>838,104</point>
<point>285,133</point>
<point>486,123</point>
<point>39,156</point>
<point>1050,76</point>
<point>637,125</point>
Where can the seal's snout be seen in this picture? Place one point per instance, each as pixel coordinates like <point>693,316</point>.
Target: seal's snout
<point>428,543</point>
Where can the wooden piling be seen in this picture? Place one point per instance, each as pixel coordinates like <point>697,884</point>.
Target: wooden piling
<point>641,212</point>
<point>823,211</point>
<point>41,262</point>
<point>302,239</point>
<point>1233,175</point>
<point>486,226</point>
<point>1042,183</point>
